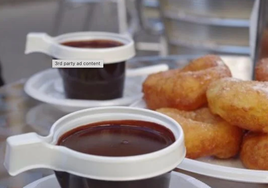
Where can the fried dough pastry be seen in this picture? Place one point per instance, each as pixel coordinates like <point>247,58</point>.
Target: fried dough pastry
<point>240,103</point>
<point>254,151</point>
<point>184,89</point>
<point>206,134</point>
<point>261,70</point>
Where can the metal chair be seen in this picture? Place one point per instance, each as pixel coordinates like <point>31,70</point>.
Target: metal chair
<point>202,26</point>
<point>128,22</point>
<point>91,5</point>
<point>150,22</point>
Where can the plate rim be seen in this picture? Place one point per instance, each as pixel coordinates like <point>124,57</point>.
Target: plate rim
<point>40,96</point>
<point>218,171</point>
<point>191,180</point>
<point>224,172</point>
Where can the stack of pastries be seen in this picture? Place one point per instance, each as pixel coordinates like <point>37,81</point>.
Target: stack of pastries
<point>221,116</point>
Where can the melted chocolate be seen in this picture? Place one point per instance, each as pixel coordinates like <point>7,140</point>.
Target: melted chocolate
<point>93,44</point>
<point>94,83</point>
<point>118,138</point>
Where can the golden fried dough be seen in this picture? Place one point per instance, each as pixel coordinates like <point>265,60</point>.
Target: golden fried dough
<point>261,70</point>
<point>254,152</point>
<point>206,134</point>
<point>184,89</point>
<point>240,103</point>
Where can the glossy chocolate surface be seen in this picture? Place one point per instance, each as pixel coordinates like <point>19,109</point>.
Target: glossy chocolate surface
<point>93,44</point>
<point>118,138</point>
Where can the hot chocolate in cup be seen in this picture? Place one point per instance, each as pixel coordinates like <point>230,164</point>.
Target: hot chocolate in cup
<point>90,83</point>
<point>108,147</point>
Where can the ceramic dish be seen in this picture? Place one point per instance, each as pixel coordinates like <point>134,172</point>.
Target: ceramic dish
<point>177,180</point>
<point>46,86</point>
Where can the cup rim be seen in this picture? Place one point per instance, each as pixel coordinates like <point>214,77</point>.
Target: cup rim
<point>108,55</point>
<point>126,158</point>
<point>167,158</point>
<point>88,35</point>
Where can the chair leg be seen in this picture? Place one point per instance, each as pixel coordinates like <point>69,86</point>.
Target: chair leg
<point>122,16</point>
<point>90,12</point>
<point>164,48</point>
<point>133,26</point>
<point>2,82</point>
<point>58,17</point>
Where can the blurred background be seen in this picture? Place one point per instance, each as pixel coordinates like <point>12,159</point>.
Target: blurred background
<point>159,27</point>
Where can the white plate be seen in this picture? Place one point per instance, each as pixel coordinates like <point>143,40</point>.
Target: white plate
<point>178,180</point>
<point>240,66</point>
<point>46,86</point>
<point>41,117</point>
<point>229,169</point>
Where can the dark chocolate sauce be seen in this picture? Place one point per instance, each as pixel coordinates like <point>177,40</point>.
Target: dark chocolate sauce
<point>118,138</point>
<point>93,44</point>
<point>94,83</point>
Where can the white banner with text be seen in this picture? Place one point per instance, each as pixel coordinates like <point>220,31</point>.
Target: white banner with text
<point>77,63</point>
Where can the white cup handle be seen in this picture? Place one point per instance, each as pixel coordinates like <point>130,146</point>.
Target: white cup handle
<point>28,151</point>
<point>38,42</point>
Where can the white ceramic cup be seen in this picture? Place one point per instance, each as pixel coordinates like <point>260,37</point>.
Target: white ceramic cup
<point>30,151</point>
<point>43,43</point>
<point>87,83</point>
